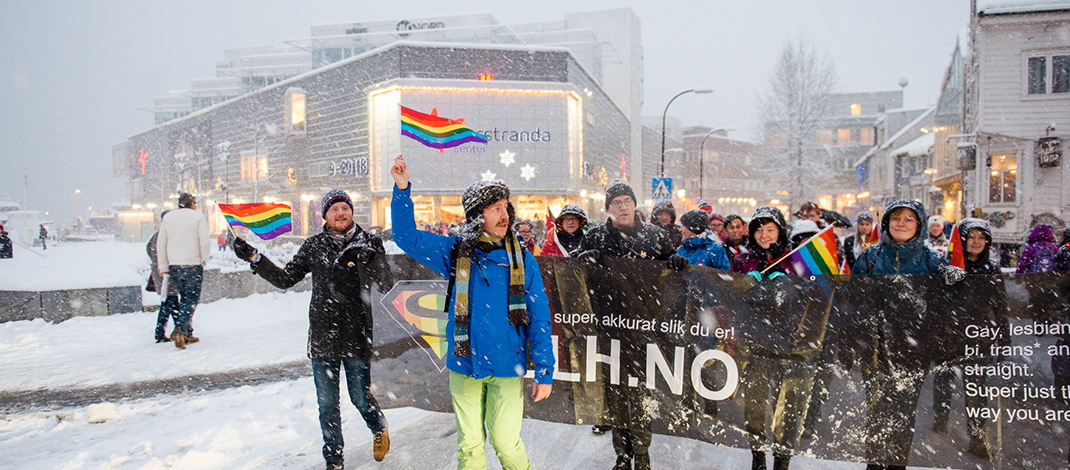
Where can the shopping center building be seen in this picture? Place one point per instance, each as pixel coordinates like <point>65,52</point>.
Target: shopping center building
<point>554,133</point>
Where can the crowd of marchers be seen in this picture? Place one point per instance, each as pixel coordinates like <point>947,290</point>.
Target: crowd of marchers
<point>499,316</point>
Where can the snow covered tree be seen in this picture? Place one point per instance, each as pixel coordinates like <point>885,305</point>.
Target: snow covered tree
<point>792,113</point>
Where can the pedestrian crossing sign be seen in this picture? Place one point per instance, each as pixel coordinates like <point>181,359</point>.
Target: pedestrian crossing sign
<point>661,188</point>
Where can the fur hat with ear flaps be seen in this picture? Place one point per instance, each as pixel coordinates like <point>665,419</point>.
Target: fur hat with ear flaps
<point>475,199</point>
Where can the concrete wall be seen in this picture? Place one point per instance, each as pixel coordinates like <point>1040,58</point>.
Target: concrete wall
<point>60,305</point>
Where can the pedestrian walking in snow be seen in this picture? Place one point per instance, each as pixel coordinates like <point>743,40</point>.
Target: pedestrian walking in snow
<point>182,248</point>
<point>43,235</point>
<point>345,262</point>
<point>498,312</point>
<point>169,306</point>
<point>624,235</point>
<point>6,246</point>
<point>569,229</point>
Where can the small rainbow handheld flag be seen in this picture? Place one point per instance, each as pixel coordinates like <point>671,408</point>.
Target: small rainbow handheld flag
<point>955,253</point>
<point>437,132</point>
<point>817,256</point>
<point>267,220</point>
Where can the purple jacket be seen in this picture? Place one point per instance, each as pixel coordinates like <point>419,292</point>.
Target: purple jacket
<point>1040,237</point>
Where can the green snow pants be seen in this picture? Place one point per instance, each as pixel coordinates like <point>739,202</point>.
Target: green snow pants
<point>496,403</point>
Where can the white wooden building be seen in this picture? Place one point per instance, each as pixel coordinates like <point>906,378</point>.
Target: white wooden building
<point>1017,112</point>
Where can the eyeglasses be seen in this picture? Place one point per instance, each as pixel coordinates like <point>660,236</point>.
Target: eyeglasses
<point>617,204</point>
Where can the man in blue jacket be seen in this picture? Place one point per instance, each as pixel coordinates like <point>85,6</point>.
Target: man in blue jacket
<point>497,309</point>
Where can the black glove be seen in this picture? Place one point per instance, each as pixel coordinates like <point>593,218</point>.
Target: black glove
<point>590,256</point>
<point>244,250</point>
<point>677,262</point>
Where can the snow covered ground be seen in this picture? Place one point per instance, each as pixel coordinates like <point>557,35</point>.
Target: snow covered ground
<point>270,425</point>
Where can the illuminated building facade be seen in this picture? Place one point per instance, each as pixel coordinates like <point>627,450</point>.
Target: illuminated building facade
<point>554,135</point>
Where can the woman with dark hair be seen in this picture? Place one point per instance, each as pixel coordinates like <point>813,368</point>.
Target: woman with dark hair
<point>766,333</point>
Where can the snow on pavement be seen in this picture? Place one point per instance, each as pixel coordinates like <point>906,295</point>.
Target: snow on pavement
<point>262,329</point>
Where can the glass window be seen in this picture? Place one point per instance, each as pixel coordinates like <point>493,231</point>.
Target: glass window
<point>867,136</point>
<point>1002,178</point>
<point>1060,74</point>
<point>824,137</point>
<point>1038,71</point>
<point>856,109</point>
<point>843,136</point>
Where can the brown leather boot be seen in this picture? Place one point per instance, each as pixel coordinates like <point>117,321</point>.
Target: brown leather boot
<point>179,339</point>
<point>381,445</point>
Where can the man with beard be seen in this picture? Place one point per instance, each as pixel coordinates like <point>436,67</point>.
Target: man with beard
<point>345,262</point>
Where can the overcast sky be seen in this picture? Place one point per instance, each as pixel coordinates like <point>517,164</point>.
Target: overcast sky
<point>76,78</point>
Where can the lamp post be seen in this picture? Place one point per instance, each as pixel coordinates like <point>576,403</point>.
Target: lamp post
<point>74,207</point>
<point>702,159</point>
<point>700,91</point>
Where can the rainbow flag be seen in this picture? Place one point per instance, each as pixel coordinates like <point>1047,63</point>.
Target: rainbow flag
<point>817,256</point>
<point>437,132</point>
<point>955,250</point>
<point>267,220</point>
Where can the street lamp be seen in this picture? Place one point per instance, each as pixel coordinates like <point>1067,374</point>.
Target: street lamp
<point>702,159</point>
<point>700,91</point>
<point>74,207</point>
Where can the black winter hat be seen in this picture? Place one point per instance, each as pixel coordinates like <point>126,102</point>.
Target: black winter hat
<point>696,221</point>
<point>617,188</point>
<point>331,198</point>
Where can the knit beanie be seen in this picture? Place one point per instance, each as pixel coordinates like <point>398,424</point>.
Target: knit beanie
<point>864,216</point>
<point>334,196</point>
<point>935,219</point>
<point>696,221</point>
<point>475,199</point>
<point>617,188</point>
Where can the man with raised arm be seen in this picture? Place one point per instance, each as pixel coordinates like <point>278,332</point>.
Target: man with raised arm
<point>498,310</point>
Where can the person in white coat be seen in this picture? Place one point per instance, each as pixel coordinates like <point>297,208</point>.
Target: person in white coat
<point>182,248</point>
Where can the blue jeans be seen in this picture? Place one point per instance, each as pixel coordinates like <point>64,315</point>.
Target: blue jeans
<point>358,378</point>
<point>188,281</point>
<point>168,309</point>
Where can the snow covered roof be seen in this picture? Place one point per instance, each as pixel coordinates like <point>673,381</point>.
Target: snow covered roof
<point>917,147</point>
<point>891,140</point>
<point>997,7</point>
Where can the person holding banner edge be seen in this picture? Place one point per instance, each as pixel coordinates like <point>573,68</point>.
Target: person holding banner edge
<point>898,361</point>
<point>625,235</point>
<point>498,311</point>
<point>345,262</point>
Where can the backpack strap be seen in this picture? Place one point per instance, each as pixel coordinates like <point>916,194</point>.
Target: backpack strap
<point>453,274</point>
